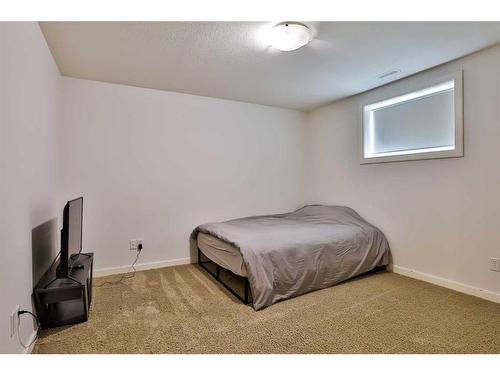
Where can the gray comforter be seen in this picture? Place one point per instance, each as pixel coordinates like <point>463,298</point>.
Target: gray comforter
<point>294,253</point>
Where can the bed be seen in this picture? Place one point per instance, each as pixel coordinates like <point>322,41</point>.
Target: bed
<point>286,255</point>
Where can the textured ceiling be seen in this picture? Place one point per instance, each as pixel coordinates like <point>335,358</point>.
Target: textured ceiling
<point>229,60</point>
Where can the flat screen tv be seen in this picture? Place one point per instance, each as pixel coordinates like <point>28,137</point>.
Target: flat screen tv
<point>71,236</point>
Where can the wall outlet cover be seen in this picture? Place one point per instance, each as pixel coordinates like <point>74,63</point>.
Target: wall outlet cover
<point>495,264</point>
<point>14,321</point>
<point>134,244</point>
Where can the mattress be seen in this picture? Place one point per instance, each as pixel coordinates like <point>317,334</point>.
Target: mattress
<point>222,253</point>
<point>289,254</point>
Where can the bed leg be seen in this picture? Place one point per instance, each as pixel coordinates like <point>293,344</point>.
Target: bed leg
<point>216,276</point>
<point>246,291</point>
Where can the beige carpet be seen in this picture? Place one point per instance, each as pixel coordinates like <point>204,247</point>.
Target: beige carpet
<point>183,310</point>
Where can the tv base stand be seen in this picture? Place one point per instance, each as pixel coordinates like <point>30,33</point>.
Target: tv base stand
<point>61,301</point>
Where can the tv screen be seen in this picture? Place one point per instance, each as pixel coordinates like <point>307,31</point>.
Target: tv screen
<point>71,235</point>
<point>75,216</point>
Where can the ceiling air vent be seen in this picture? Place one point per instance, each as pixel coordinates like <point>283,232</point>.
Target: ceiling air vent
<point>387,74</point>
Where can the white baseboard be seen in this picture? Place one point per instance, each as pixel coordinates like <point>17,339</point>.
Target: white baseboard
<point>450,284</point>
<point>141,267</point>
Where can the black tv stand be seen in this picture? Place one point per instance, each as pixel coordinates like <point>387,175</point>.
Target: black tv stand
<point>61,301</point>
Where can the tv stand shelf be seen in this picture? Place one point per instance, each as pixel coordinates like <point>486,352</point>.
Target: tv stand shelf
<point>61,301</point>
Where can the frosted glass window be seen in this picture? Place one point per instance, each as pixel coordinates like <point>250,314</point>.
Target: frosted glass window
<point>422,124</point>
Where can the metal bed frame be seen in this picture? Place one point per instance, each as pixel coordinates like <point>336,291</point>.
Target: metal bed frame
<point>247,293</point>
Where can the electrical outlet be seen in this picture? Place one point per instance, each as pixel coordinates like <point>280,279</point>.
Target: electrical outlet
<point>495,264</point>
<point>14,321</point>
<point>134,244</point>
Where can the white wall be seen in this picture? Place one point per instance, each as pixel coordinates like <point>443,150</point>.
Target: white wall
<point>29,110</point>
<point>153,165</point>
<point>442,217</point>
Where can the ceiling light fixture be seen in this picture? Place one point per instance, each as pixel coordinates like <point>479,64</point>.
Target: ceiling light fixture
<point>289,36</point>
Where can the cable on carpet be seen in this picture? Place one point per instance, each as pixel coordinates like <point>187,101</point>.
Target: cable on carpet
<point>126,275</point>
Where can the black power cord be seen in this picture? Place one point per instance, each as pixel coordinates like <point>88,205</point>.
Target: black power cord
<point>19,313</point>
<point>126,275</point>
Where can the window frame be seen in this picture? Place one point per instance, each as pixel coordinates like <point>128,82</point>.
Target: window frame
<point>457,78</point>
